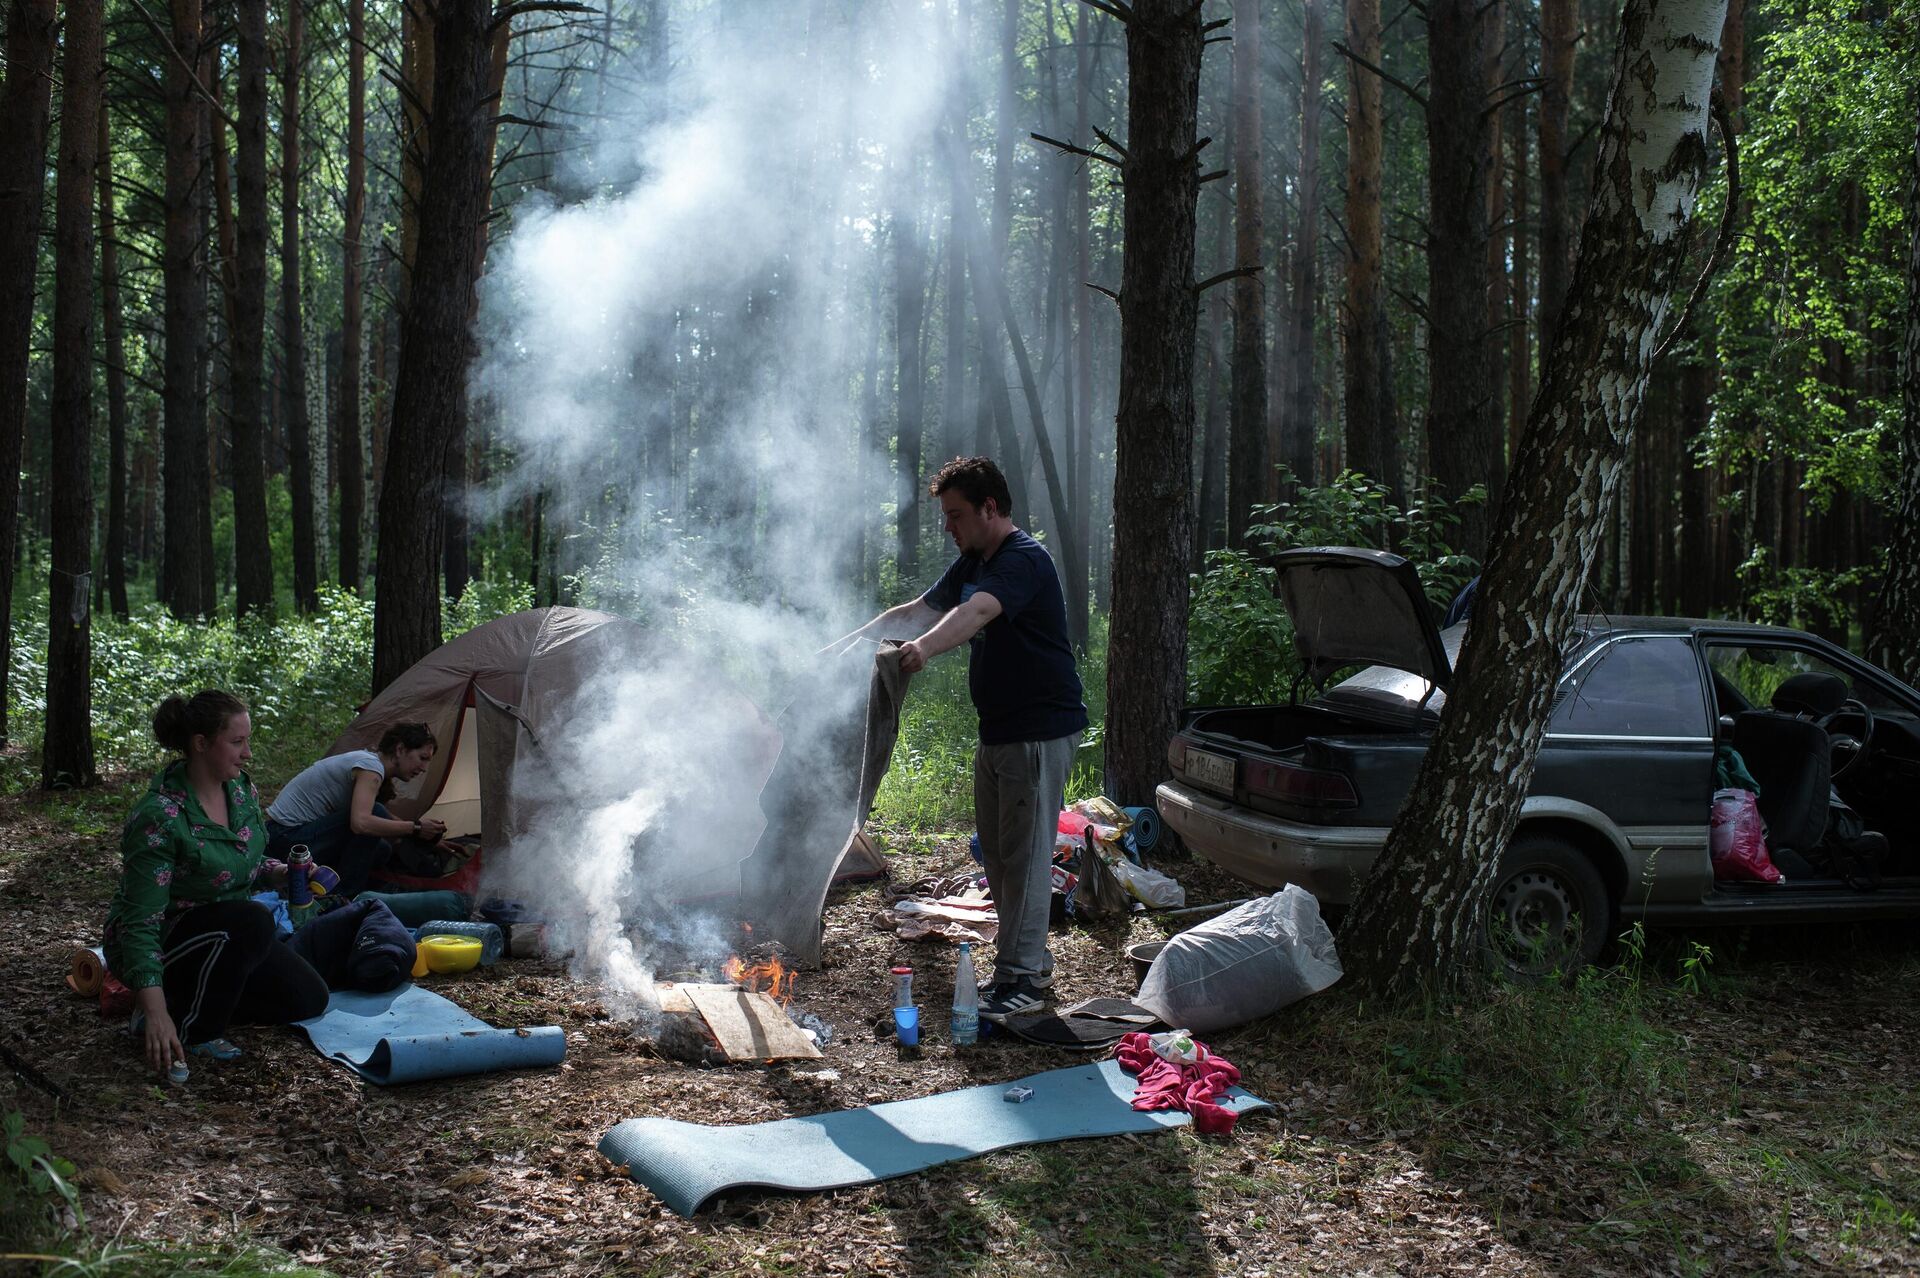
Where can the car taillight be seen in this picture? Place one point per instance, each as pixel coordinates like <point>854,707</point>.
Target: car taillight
<point>1291,784</point>
<point>1177,753</point>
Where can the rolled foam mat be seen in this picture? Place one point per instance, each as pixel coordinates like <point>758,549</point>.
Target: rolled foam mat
<point>410,1034</point>
<point>685,1164</point>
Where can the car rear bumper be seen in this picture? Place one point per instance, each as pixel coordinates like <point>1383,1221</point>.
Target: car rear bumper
<point>1327,860</point>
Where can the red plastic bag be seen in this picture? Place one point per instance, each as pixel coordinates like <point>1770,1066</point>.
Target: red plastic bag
<point>1072,824</point>
<point>1739,839</point>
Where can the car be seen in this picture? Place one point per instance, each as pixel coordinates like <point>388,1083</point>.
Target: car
<point>1615,827</point>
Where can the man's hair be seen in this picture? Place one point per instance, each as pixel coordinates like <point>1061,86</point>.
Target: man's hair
<point>977,478</point>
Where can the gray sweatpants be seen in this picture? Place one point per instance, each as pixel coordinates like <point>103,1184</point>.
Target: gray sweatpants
<point>1017,794</point>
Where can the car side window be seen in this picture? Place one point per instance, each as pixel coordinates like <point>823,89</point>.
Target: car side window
<point>1640,687</point>
<point>1755,670</point>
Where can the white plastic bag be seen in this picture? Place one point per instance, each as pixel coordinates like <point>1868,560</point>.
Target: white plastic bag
<point>1155,890</point>
<point>1248,963</point>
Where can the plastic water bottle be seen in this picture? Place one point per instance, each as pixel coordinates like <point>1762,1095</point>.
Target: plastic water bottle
<point>965,1026</point>
<point>903,986</point>
<point>299,867</point>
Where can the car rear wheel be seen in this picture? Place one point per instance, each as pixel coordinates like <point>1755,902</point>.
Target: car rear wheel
<point>1549,913</point>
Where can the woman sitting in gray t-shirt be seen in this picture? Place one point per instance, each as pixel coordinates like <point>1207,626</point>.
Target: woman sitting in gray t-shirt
<point>333,806</point>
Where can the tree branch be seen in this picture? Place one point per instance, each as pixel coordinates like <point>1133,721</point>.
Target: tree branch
<point>186,66</point>
<point>1214,176</point>
<point>1215,25</point>
<point>1071,149</point>
<point>1117,8</point>
<point>1723,239</point>
<point>1118,150</point>
<point>508,12</point>
<point>1236,273</point>
<point>1101,288</point>
<point>1530,87</point>
<point>1341,49</point>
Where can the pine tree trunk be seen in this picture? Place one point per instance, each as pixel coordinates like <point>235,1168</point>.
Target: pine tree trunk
<point>114,562</point>
<point>1153,470</point>
<point>1247,430</point>
<point>1209,523</point>
<point>1556,94</point>
<point>25,102</point>
<point>1464,442</point>
<point>67,757</point>
<point>350,472</point>
<point>186,554</point>
<point>435,345</point>
<point>1896,641</point>
<point>252,551</point>
<point>1303,294</point>
<point>1373,444</point>
<point>1419,923</point>
<point>1519,351</point>
<point>1080,485</point>
<point>306,579</point>
<point>909,304</point>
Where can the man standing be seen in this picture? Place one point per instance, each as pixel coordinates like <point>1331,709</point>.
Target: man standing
<point>1002,596</point>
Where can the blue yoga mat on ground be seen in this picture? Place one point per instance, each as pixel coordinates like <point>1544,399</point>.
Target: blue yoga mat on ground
<point>410,1034</point>
<point>685,1164</point>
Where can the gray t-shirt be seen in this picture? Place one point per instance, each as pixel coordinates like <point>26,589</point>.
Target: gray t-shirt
<point>324,788</point>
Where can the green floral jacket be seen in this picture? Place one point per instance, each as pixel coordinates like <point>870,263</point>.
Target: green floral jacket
<point>176,858</point>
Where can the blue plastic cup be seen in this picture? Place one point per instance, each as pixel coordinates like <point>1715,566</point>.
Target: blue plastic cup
<point>906,1026</point>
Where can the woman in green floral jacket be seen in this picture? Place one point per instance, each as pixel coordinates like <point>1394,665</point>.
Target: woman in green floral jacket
<point>183,932</point>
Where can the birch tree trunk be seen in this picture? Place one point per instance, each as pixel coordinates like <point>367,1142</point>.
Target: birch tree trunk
<point>67,756</point>
<point>1897,643</point>
<point>1420,921</point>
<point>1247,428</point>
<point>1153,447</point>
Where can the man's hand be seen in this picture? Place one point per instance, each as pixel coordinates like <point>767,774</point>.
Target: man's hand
<point>913,659</point>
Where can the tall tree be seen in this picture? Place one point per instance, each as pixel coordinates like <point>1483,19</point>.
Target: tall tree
<point>1897,643</point>
<point>25,101</point>
<point>435,343</point>
<point>350,468</point>
<point>67,757</point>
<point>909,305</point>
<point>1247,422</point>
<point>1153,446</point>
<point>306,582</point>
<point>1079,598</point>
<point>1420,920</point>
<point>1303,294</point>
<point>1465,445</point>
<point>1373,443</point>
<point>1556,95</point>
<point>114,561</point>
<point>252,551</point>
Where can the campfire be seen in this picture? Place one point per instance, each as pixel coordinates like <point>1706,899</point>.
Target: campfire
<point>770,977</point>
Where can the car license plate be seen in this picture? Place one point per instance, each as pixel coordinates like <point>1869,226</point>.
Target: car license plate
<point>1214,771</point>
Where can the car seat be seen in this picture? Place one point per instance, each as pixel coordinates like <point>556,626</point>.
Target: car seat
<point>1790,755</point>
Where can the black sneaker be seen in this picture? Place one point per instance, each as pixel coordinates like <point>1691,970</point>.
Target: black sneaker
<point>1010,999</point>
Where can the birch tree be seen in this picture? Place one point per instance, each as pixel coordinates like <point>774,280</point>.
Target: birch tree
<point>1419,922</point>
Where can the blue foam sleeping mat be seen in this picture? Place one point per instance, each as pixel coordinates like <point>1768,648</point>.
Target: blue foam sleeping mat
<point>410,1034</point>
<point>685,1164</point>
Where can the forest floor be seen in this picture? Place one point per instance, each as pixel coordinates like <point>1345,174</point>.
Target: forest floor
<point>1758,1113</point>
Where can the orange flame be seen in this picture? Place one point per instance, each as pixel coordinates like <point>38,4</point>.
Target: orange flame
<point>772,976</point>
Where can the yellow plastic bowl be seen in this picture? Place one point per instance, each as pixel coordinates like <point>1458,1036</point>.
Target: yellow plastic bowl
<point>445,954</point>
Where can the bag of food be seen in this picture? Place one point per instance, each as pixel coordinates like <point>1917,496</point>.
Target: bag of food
<point>1248,963</point>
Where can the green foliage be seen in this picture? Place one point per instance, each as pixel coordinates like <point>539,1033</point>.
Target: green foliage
<point>1239,639</point>
<point>37,1194</point>
<point>1803,596</point>
<point>1815,290</point>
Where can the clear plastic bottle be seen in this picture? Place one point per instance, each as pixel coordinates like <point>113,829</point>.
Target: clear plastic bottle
<point>965,1026</point>
<point>903,986</point>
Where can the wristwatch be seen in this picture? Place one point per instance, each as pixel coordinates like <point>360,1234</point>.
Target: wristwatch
<point>416,827</point>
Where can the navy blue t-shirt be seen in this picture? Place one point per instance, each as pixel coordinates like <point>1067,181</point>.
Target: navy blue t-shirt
<point>1020,670</point>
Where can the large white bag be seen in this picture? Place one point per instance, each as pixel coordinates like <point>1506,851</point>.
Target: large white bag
<point>1247,963</point>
